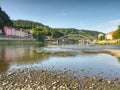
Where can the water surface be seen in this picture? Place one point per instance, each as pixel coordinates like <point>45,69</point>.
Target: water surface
<point>90,64</point>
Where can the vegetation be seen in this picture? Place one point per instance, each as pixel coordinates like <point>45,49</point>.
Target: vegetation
<point>26,24</point>
<point>117,33</point>
<point>39,34</point>
<point>41,31</point>
<point>102,37</point>
<point>4,19</point>
<point>78,34</point>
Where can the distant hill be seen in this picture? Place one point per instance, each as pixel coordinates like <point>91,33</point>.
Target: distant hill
<point>78,34</point>
<point>56,32</point>
<point>26,24</point>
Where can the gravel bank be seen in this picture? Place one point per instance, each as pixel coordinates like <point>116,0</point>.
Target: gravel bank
<point>31,79</point>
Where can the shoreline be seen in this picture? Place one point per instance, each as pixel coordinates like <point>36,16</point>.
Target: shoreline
<point>29,79</point>
<point>115,53</point>
<point>19,42</point>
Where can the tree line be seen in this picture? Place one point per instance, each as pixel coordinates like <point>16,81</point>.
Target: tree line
<point>4,19</point>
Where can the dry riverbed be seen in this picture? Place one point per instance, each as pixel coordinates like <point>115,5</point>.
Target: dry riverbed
<point>34,79</point>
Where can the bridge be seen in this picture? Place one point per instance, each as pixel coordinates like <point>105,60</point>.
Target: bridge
<point>65,39</point>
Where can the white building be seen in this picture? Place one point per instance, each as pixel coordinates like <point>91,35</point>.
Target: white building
<point>109,36</point>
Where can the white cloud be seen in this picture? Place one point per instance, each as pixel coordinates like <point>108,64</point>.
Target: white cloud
<point>107,26</point>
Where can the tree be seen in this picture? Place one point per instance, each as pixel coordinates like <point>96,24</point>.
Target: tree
<point>39,34</point>
<point>119,26</point>
<point>57,34</point>
<point>26,24</point>
<point>117,33</point>
<point>4,19</point>
<point>102,37</point>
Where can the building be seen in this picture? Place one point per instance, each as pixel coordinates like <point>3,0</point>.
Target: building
<point>17,32</point>
<point>109,36</point>
<point>11,31</point>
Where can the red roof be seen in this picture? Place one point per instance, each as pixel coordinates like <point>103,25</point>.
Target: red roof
<point>111,32</point>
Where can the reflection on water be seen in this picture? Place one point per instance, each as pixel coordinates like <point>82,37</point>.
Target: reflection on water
<point>19,55</point>
<point>24,55</point>
<point>59,57</point>
<point>12,52</point>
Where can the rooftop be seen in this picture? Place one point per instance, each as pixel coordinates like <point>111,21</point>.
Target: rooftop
<point>112,32</point>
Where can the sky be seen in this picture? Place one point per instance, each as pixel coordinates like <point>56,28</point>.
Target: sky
<point>99,15</point>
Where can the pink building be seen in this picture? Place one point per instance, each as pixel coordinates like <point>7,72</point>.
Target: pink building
<point>10,31</point>
<point>17,32</point>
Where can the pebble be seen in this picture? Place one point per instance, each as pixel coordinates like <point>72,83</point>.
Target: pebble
<point>109,82</point>
<point>52,80</point>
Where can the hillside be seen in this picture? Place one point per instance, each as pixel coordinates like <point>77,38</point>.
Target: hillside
<point>56,32</point>
<point>78,34</point>
<point>26,24</point>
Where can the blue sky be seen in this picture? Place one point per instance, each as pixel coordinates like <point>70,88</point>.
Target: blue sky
<point>100,15</point>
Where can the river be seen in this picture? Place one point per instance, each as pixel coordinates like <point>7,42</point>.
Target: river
<point>55,57</point>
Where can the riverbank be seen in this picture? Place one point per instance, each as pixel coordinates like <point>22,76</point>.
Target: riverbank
<point>19,42</point>
<point>29,79</point>
<point>104,42</point>
<point>112,52</point>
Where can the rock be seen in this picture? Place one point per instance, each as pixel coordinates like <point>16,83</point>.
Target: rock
<point>82,69</point>
<point>109,82</point>
<point>94,78</point>
<point>62,88</point>
<point>31,79</point>
<point>90,87</point>
<point>54,88</point>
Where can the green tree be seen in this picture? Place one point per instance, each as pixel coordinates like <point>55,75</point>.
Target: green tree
<point>39,34</point>
<point>4,19</point>
<point>117,34</point>
<point>119,26</point>
<point>102,37</point>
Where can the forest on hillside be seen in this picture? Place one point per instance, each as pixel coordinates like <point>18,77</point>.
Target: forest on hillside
<point>55,32</point>
<point>4,19</point>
